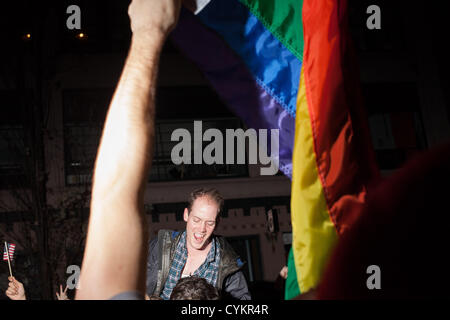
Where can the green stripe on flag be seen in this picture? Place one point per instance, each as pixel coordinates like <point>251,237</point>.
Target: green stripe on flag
<point>284,20</point>
<point>291,288</point>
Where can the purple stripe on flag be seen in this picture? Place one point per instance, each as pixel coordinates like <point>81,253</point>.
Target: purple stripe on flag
<point>232,80</point>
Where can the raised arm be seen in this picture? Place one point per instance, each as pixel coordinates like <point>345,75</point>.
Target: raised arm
<point>116,246</point>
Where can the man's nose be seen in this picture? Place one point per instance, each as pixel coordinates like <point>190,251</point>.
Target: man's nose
<point>203,227</point>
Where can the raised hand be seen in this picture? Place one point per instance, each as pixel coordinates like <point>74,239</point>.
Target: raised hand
<point>15,290</point>
<point>149,15</point>
<point>62,294</point>
<point>284,272</point>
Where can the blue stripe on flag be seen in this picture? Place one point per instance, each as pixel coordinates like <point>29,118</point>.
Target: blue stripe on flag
<point>274,67</point>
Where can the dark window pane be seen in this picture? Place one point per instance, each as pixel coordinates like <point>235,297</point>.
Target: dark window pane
<point>395,123</point>
<point>12,141</point>
<point>248,249</point>
<point>189,102</point>
<point>164,169</point>
<point>84,115</point>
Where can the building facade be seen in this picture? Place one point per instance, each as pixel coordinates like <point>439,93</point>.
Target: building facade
<point>400,82</point>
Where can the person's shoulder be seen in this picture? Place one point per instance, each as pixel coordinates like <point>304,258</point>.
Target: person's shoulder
<point>164,236</point>
<point>128,295</point>
<point>224,244</point>
<point>174,233</point>
<point>228,252</point>
<point>167,232</point>
<point>162,233</point>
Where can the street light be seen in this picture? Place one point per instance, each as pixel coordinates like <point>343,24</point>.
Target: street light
<point>81,36</point>
<point>26,37</point>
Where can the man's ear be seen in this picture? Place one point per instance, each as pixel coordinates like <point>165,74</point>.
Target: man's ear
<point>186,214</point>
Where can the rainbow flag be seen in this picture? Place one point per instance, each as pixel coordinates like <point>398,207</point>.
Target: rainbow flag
<point>287,65</point>
<point>251,53</point>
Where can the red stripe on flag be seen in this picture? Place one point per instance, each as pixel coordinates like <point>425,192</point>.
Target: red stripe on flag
<point>11,248</point>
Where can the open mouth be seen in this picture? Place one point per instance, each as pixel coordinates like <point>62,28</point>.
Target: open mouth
<point>199,237</point>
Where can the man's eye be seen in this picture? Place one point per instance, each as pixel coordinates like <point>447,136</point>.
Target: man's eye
<point>196,220</point>
<point>211,223</point>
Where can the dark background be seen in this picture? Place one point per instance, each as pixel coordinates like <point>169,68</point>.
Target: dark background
<point>106,25</point>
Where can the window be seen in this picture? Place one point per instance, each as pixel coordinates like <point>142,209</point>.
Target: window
<point>247,247</point>
<point>395,123</point>
<point>12,142</point>
<point>164,169</point>
<point>177,107</point>
<point>84,115</point>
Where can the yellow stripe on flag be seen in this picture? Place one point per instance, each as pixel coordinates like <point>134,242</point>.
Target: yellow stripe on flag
<point>314,234</point>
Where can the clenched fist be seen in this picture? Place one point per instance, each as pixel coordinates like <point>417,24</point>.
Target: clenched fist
<point>15,290</point>
<point>146,16</point>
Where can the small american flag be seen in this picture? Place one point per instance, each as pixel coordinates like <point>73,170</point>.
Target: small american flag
<point>11,248</point>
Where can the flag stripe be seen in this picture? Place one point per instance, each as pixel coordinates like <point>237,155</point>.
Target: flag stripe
<point>234,83</point>
<point>312,229</point>
<point>342,145</point>
<point>11,247</point>
<point>283,19</point>
<point>274,67</point>
<point>291,287</point>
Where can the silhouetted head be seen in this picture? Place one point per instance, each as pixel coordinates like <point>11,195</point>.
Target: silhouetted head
<point>194,288</point>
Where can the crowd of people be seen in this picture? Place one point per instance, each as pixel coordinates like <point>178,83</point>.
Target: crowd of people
<point>402,227</point>
<point>187,288</point>
<point>16,291</point>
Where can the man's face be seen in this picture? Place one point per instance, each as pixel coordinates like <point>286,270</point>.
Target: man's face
<point>200,222</point>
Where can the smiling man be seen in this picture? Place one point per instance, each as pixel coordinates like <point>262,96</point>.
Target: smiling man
<point>196,251</point>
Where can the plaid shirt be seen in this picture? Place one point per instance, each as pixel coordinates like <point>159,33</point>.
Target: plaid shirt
<point>208,270</point>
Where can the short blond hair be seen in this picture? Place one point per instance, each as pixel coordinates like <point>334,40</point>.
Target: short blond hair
<point>210,193</point>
